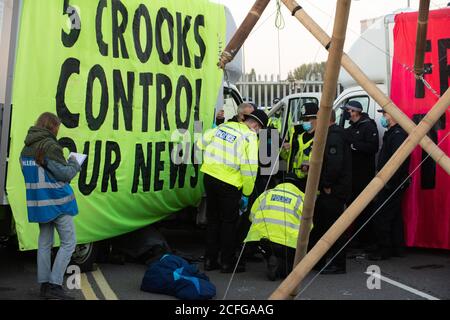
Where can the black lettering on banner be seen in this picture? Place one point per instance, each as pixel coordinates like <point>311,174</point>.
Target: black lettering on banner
<point>428,167</point>
<point>68,119</point>
<point>182,33</point>
<point>87,188</point>
<point>119,30</point>
<point>198,94</point>
<point>125,99</point>
<point>68,144</point>
<point>142,167</point>
<point>159,165</point>
<point>199,22</point>
<point>96,73</point>
<point>69,39</point>
<point>177,170</point>
<point>183,83</point>
<point>102,46</point>
<point>162,100</point>
<point>164,16</point>
<point>109,170</point>
<point>194,178</point>
<point>143,55</point>
<point>444,67</point>
<point>146,80</point>
<point>428,69</point>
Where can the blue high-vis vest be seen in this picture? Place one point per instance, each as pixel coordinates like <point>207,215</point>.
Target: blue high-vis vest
<point>47,198</point>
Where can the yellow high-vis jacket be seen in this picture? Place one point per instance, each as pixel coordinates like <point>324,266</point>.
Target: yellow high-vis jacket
<point>276,215</point>
<point>301,158</point>
<point>231,155</point>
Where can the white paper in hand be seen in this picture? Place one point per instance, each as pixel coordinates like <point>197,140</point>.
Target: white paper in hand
<point>79,157</point>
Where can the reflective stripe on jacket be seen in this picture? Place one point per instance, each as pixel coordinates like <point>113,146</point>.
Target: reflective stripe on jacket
<point>231,155</point>
<point>276,215</point>
<point>47,198</point>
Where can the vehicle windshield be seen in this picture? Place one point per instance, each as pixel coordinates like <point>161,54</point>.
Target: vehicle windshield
<point>343,117</point>
<point>295,107</point>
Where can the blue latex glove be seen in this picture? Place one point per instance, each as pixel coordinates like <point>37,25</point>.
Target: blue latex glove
<point>243,204</point>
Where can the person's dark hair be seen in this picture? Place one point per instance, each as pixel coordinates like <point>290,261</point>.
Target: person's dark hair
<point>50,122</point>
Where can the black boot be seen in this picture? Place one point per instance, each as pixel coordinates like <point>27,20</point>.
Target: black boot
<point>56,292</point>
<point>272,268</point>
<point>211,264</point>
<point>334,269</point>
<point>43,289</point>
<point>380,254</point>
<point>229,267</point>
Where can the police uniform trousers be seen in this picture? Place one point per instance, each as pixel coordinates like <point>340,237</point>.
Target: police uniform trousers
<point>222,213</point>
<point>388,222</point>
<point>327,210</point>
<point>365,238</point>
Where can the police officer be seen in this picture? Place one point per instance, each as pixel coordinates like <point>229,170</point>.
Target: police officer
<point>298,151</point>
<point>335,190</point>
<point>230,167</point>
<point>364,143</point>
<point>388,222</point>
<point>275,217</point>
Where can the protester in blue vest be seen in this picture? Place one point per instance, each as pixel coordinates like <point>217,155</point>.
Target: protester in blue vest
<point>50,201</point>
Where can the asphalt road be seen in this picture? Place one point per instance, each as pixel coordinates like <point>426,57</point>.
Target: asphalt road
<point>421,274</point>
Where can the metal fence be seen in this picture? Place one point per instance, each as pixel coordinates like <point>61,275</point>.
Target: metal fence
<point>263,91</point>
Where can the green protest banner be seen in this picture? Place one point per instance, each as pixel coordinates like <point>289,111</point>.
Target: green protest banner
<point>122,75</point>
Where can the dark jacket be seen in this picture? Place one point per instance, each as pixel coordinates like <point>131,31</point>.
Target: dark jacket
<point>363,139</point>
<point>337,164</point>
<point>392,140</point>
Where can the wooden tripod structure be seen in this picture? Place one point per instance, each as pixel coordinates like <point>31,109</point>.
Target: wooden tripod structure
<point>421,40</point>
<point>332,69</point>
<point>417,134</point>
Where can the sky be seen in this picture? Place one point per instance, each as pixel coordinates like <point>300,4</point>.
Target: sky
<point>297,46</point>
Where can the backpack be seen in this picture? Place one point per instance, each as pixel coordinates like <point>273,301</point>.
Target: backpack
<point>174,276</point>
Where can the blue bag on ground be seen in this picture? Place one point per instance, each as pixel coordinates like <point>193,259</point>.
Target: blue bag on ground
<point>174,276</point>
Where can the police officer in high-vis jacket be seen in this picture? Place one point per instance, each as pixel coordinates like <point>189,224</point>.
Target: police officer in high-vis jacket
<point>298,151</point>
<point>230,166</point>
<point>275,218</point>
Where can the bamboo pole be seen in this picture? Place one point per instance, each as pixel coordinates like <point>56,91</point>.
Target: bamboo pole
<point>421,39</point>
<point>333,67</point>
<point>407,124</point>
<point>242,33</point>
<point>372,189</point>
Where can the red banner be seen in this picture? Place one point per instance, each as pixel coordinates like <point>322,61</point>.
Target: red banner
<point>426,206</point>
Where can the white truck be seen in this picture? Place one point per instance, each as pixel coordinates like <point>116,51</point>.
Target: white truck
<point>372,52</point>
